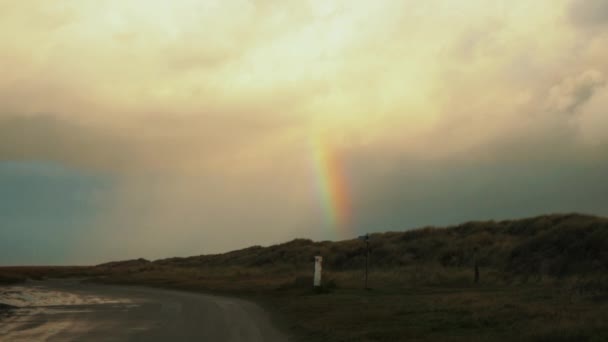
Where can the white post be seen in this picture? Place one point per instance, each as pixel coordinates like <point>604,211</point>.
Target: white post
<point>317,278</point>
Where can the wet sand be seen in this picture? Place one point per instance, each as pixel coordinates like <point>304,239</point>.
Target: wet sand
<point>60,310</point>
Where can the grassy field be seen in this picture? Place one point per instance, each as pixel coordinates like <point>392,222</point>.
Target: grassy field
<point>439,305</point>
<point>403,305</point>
<point>524,313</point>
<point>542,279</point>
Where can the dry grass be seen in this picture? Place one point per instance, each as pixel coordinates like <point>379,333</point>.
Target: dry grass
<point>542,279</point>
<point>432,303</point>
<point>529,313</point>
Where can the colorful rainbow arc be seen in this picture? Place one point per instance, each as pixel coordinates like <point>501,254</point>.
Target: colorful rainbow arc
<point>332,187</point>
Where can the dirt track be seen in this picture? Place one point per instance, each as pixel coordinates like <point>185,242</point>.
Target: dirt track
<point>72,311</point>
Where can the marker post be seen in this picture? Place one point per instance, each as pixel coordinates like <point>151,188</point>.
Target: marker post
<point>366,239</point>
<point>317,274</point>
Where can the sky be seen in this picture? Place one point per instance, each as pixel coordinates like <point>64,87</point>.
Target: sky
<point>156,128</point>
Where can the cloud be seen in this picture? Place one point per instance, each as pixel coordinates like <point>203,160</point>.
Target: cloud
<point>593,120</point>
<point>47,137</point>
<point>158,143</point>
<point>572,92</point>
<point>203,113</point>
<point>46,211</point>
<point>589,13</point>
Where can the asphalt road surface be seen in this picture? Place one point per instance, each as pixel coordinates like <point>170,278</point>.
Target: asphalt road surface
<point>74,311</point>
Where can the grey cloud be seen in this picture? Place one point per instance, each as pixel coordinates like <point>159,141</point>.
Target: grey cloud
<point>47,137</point>
<point>156,143</point>
<point>572,92</point>
<point>589,13</point>
<point>406,191</point>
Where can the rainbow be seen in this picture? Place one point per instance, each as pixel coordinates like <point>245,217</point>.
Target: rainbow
<point>332,188</point>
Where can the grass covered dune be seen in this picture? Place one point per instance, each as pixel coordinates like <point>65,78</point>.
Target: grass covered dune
<point>540,279</point>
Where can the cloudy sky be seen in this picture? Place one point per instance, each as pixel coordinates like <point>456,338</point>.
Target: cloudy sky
<point>157,128</point>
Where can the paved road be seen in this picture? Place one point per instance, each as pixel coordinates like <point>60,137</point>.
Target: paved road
<point>71,311</point>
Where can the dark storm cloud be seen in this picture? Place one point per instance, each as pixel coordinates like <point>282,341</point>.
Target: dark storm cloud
<point>48,137</point>
<point>45,211</point>
<point>409,192</point>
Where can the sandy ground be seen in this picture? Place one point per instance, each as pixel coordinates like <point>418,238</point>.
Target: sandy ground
<point>72,311</point>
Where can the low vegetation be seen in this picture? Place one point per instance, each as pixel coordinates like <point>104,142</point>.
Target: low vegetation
<point>9,279</point>
<point>541,279</point>
<point>19,274</point>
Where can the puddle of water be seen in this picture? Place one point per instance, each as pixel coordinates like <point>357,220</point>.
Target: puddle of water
<point>21,296</point>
